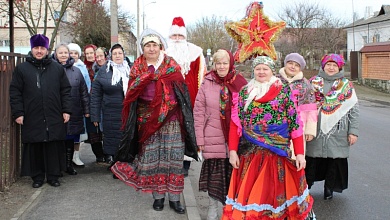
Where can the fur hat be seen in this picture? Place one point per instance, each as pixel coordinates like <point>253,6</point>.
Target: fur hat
<point>39,40</point>
<point>296,57</point>
<point>339,59</point>
<point>76,47</point>
<point>178,27</point>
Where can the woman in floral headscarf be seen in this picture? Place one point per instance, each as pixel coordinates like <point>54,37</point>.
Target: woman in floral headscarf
<point>266,183</point>
<point>338,127</point>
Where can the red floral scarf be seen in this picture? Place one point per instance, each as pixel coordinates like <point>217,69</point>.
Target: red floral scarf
<point>167,74</point>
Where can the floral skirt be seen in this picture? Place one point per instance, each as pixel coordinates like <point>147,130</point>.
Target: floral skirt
<point>159,165</point>
<point>267,186</point>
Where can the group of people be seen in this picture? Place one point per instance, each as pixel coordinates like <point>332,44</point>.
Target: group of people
<point>264,142</point>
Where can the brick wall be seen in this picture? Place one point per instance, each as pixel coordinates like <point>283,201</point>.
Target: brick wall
<point>376,65</point>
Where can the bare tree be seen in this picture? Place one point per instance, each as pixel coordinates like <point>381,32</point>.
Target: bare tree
<point>310,30</point>
<point>91,24</point>
<point>38,15</point>
<point>210,33</point>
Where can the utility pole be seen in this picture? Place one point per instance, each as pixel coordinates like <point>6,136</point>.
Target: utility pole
<point>138,52</point>
<point>11,27</point>
<point>114,21</point>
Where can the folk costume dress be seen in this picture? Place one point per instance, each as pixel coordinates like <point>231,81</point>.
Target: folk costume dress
<point>327,154</point>
<point>159,130</point>
<point>267,184</point>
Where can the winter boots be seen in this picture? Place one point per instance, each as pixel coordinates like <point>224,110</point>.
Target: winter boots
<point>76,159</point>
<point>69,147</point>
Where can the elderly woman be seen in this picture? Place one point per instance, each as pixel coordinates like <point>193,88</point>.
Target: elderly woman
<point>338,127</point>
<point>159,129</point>
<point>212,112</point>
<point>292,75</point>
<point>101,58</point>
<point>80,104</point>
<point>108,92</point>
<point>266,183</point>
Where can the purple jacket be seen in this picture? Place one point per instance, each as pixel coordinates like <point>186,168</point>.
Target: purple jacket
<point>208,129</point>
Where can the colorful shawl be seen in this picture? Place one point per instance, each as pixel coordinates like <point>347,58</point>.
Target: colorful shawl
<point>166,75</point>
<point>336,103</point>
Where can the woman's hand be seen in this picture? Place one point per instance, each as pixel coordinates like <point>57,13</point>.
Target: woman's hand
<point>201,147</point>
<point>352,139</point>
<point>309,137</point>
<point>233,159</point>
<point>300,162</point>
<point>96,123</point>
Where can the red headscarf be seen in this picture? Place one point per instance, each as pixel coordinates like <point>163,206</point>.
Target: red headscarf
<point>232,82</point>
<point>89,63</point>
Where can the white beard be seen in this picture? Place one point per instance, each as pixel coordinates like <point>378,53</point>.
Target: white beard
<point>178,49</point>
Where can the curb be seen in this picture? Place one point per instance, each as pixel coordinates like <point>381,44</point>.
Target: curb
<point>27,204</point>
<point>190,201</point>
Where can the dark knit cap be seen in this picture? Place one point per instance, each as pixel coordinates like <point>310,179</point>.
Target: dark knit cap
<point>39,40</point>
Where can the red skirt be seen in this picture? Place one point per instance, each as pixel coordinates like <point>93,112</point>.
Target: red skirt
<point>267,186</point>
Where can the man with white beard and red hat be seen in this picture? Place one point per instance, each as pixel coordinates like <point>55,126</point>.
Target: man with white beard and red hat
<point>191,60</point>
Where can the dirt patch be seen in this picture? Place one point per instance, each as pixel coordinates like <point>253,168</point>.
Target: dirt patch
<point>13,198</point>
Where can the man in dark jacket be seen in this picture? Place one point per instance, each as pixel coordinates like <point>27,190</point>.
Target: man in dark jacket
<point>41,103</point>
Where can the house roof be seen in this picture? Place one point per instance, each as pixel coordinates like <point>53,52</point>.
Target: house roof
<point>376,47</point>
<point>383,15</point>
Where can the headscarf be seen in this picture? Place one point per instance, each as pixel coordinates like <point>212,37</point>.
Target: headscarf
<point>232,82</point>
<point>338,59</point>
<point>257,89</point>
<point>89,64</point>
<point>119,71</point>
<point>149,31</point>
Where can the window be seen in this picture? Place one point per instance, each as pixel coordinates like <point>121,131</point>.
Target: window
<point>376,38</point>
<point>57,15</point>
<point>365,39</point>
<point>4,43</point>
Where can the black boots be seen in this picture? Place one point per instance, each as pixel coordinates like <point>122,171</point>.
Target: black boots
<point>176,205</point>
<point>158,204</point>
<point>97,149</point>
<point>328,193</point>
<point>69,145</point>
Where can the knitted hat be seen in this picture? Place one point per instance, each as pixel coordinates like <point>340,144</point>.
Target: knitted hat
<point>178,27</point>
<point>296,57</point>
<point>263,60</point>
<point>39,40</point>
<point>339,59</point>
<point>76,47</point>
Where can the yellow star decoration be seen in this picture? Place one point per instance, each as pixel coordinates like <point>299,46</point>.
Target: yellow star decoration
<point>255,34</point>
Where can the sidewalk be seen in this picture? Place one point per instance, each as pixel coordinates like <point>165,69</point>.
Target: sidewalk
<point>94,194</point>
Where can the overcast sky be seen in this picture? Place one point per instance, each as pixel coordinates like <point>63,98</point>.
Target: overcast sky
<point>159,15</point>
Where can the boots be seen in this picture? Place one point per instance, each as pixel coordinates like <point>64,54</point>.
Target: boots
<point>212,213</point>
<point>97,149</point>
<point>69,155</point>
<point>76,159</point>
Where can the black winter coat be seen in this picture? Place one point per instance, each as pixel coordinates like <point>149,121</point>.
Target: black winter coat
<point>108,99</point>
<point>40,91</point>
<point>80,98</point>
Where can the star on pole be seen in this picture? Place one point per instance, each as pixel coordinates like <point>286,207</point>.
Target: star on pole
<point>255,34</point>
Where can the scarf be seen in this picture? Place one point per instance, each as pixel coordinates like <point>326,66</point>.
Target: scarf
<point>232,82</point>
<point>161,107</point>
<point>257,89</point>
<point>119,72</point>
<point>335,97</point>
<point>289,79</point>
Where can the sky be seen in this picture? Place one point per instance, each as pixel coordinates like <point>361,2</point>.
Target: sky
<point>159,13</point>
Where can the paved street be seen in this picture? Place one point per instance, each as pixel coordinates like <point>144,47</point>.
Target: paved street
<point>94,194</point>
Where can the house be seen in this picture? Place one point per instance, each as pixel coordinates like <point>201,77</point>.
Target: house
<point>370,29</point>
